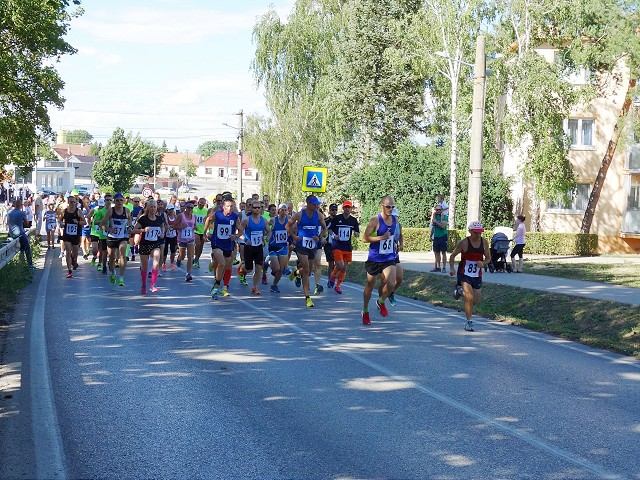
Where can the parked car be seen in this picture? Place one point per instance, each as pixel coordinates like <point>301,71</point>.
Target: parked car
<point>186,189</point>
<point>166,191</point>
<point>82,189</point>
<point>47,193</point>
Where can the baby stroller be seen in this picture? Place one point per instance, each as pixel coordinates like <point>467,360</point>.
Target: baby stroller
<point>500,242</point>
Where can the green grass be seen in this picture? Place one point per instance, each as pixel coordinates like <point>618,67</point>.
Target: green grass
<point>14,277</point>
<point>3,236</point>
<point>601,324</point>
<point>618,274</point>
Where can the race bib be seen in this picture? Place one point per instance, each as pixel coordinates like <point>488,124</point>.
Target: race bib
<point>386,246</point>
<point>51,225</point>
<point>256,239</point>
<point>71,229</point>
<point>199,220</point>
<point>152,234</point>
<point>281,236</point>
<point>171,233</point>
<point>471,269</point>
<point>119,231</point>
<point>187,233</point>
<point>308,242</point>
<point>223,231</point>
<point>344,234</point>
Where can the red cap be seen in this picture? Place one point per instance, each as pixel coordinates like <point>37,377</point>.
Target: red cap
<point>347,203</point>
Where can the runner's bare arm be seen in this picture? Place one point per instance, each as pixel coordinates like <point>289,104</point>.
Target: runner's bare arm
<point>291,227</point>
<point>452,259</point>
<point>371,228</point>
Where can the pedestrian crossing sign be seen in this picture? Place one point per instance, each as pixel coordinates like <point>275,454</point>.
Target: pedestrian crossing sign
<point>314,179</point>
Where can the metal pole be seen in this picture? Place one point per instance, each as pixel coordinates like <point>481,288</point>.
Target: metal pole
<point>155,156</point>
<point>477,119</point>
<point>240,138</point>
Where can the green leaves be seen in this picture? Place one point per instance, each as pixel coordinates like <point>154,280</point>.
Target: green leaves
<point>208,148</point>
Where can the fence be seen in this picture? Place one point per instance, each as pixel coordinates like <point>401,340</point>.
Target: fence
<point>10,248</point>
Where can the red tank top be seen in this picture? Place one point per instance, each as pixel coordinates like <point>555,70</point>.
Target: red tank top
<point>473,254</point>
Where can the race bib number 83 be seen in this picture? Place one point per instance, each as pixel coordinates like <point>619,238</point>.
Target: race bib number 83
<point>471,269</point>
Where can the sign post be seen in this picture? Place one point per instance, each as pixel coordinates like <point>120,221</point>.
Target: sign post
<point>314,179</point>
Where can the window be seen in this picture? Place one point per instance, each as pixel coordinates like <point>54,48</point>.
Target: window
<point>233,172</point>
<point>221,172</point>
<point>634,157</point>
<point>580,132</point>
<point>208,171</point>
<point>59,181</point>
<point>633,202</point>
<point>247,173</point>
<point>575,200</point>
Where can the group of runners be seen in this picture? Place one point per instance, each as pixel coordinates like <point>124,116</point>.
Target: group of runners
<point>254,235</point>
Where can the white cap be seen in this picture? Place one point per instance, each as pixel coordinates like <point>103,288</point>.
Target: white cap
<point>394,212</point>
<point>283,206</point>
<point>476,226</point>
<point>171,206</point>
<point>101,202</point>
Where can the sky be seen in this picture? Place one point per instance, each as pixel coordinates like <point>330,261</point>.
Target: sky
<point>173,70</point>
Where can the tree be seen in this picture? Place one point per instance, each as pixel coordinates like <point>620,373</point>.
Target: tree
<point>31,38</point>
<point>143,154</point>
<point>164,148</point>
<point>208,148</point>
<point>77,137</point>
<point>189,168</point>
<point>115,171</point>
<point>94,149</point>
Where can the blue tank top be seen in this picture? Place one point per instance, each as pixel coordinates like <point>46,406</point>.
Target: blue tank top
<point>307,229</point>
<point>224,226</point>
<point>384,251</point>
<point>279,235</point>
<point>254,232</point>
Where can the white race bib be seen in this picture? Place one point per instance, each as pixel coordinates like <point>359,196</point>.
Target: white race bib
<point>187,234</point>
<point>281,236</point>
<point>171,233</point>
<point>51,225</point>
<point>386,246</point>
<point>344,234</point>
<point>471,269</point>
<point>152,234</point>
<point>199,220</point>
<point>256,239</point>
<point>223,232</point>
<point>309,243</point>
<point>71,229</point>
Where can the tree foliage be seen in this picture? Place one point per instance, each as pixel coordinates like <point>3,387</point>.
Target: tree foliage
<point>115,171</point>
<point>143,154</point>
<point>208,148</point>
<point>77,137</point>
<point>31,36</point>
<point>189,167</point>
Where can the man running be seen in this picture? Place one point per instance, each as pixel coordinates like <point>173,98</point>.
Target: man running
<point>279,245</point>
<point>380,234</point>
<point>185,226</point>
<point>71,221</point>
<point>136,211</point>
<point>116,223</point>
<point>255,229</point>
<point>170,238</point>
<point>328,246</point>
<point>225,227</point>
<point>475,255</point>
<point>200,212</point>
<point>306,228</point>
<point>98,236</point>
<point>343,228</point>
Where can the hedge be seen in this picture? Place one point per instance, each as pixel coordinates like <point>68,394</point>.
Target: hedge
<point>538,243</point>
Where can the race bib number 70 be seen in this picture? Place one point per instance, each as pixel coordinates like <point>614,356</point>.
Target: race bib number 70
<point>308,242</point>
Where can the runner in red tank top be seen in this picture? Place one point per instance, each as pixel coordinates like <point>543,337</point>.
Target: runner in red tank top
<point>475,255</point>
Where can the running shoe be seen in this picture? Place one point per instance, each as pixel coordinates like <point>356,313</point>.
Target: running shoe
<point>69,274</point>
<point>435,270</point>
<point>133,257</point>
<point>287,271</point>
<point>98,267</point>
<point>457,292</point>
<point>93,261</point>
<point>214,292</point>
<point>468,326</point>
<point>255,291</point>
<point>75,266</point>
<point>274,289</point>
<point>365,318</point>
<point>338,289</point>
<point>196,264</point>
<point>291,275</point>
<point>121,282</point>
<point>243,280</point>
<point>309,302</point>
<point>330,283</point>
<point>392,300</point>
<point>225,291</point>
<point>178,263</point>
<point>86,256</point>
<point>188,277</point>
<point>112,278</point>
<point>319,289</point>
<point>153,289</point>
<point>236,262</point>
<point>164,267</point>
<point>383,308</point>
<point>298,281</point>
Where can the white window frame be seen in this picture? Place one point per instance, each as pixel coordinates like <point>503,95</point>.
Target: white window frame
<point>208,170</point>
<point>220,172</point>
<point>572,209</point>
<point>580,145</point>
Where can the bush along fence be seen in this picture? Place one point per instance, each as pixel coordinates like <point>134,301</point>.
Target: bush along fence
<point>538,243</point>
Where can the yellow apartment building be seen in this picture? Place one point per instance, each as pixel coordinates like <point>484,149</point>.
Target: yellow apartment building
<point>589,127</point>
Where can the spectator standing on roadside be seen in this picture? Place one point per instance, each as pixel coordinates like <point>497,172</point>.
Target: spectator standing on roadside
<point>519,240</point>
<point>440,235</point>
<point>15,221</point>
<point>38,210</point>
<point>28,213</point>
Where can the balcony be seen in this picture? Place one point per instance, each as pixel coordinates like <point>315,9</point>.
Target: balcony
<point>631,223</point>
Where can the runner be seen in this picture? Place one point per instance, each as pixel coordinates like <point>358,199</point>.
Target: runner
<point>343,228</point>
<point>279,245</point>
<point>134,240</point>
<point>475,255</point>
<point>255,229</point>
<point>328,247</point>
<point>399,242</point>
<point>306,228</point>
<point>151,229</point>
<point>50,223</point>
<point>98,236</point>
<point>170,238</point>
<point>117,224</point>
<point>86,229</point>
<point>184,225</point>
<point>379,233</point>
<point>200,212</point>
<point>226,228</point>
<point>71,221</point>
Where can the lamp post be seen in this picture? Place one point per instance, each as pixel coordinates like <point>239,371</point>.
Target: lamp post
<point>240,129</point>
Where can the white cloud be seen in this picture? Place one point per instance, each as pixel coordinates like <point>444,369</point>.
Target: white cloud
<point>103,59</point>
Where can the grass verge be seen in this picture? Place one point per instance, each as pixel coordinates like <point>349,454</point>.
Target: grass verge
<point>14,277</point>
<point>617,274</point>
<point>601,324</point>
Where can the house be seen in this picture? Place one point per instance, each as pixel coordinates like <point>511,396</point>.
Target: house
<point>77,157</point>
<point>220,171</point>
<point>589,128</point>
<point>175,162</point>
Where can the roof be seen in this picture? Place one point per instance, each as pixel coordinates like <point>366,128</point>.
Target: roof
<point>175,158</point>
<point>65,150</point>
<point>90,159</point>
<point>227,158</point>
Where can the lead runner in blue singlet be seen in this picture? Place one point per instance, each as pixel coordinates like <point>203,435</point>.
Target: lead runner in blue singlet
<point>225,227</point>
<point>380,233</point>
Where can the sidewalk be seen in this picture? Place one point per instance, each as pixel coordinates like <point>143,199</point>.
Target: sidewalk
<point>423,262</point>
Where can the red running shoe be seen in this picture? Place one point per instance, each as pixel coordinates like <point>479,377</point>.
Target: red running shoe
<point>383,308</point>
<point>365,318</point>
<point>69,274</point>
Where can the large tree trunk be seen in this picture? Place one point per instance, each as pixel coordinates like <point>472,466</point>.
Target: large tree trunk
<point>453,175</point>
<point>587,220</point>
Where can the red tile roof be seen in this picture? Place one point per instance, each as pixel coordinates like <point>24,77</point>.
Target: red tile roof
<point>173,159</point>
<point>224,158</point>
<point>65,150</point>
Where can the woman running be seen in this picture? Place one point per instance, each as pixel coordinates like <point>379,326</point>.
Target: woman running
<point>151,228</point>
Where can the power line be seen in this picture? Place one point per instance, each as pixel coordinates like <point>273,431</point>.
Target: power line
<point>148,113</point>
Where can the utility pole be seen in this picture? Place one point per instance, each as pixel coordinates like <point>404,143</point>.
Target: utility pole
<point>477,120</point>
<point>240,138</point>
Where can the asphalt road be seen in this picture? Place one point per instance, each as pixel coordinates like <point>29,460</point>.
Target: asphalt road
<point>175,385</point>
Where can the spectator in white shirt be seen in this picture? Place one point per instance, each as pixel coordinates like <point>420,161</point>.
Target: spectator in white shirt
<point>519,240</point>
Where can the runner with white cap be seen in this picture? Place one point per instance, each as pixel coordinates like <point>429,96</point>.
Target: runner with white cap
<point>279,245</point>
<point>475,255</point>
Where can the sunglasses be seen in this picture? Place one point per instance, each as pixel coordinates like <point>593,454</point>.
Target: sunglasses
<point>255,206</point>
<point>390,207</point>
